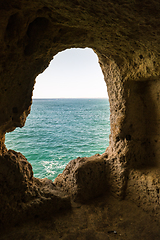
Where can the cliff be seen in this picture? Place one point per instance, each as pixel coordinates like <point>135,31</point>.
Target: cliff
<point>125,35</point>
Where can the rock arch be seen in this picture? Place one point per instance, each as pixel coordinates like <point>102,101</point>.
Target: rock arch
<point>125,36</point>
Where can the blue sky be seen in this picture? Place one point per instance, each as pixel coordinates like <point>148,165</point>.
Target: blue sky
<point>73,73</point>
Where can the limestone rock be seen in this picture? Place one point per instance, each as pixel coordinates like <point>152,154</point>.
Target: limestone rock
<point>90,234</point>
<point>125,35</point>
<point>84,178</point>
<point>21,195</point>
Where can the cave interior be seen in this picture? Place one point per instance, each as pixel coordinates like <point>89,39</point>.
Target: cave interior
<point>125,36</point>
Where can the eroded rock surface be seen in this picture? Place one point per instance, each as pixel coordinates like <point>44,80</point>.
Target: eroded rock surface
<point>23,196</point>
<point>126,37</point>
<point>85,178</point>
<point>95,220</point>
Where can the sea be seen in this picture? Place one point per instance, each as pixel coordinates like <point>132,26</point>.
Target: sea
<point>59,130</point>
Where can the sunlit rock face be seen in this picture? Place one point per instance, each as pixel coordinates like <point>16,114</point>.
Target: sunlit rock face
<point>126,37</point>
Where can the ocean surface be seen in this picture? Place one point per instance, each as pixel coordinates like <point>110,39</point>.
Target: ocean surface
<point>59,130</point>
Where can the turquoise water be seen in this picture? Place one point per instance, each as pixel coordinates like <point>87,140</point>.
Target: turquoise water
<point>59,130</point>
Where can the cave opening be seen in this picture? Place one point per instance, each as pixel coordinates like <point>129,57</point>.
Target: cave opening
<point>70,114</point>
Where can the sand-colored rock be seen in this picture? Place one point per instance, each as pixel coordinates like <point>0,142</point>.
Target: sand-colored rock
<point>84,178</point>
<point>23,196</point>
<point>95,220</point>
<point>126,37</point>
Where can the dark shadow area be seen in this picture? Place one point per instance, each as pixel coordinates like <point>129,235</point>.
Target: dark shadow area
<point>142,122</point>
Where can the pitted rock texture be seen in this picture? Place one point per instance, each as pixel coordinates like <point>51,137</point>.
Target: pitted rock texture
<point>22,196</point>
<point>84,178</point>
<point>95,220</point>
<point>124,34</point>
<point>126,37</point>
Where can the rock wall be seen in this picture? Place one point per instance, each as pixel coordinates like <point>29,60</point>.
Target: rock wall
<point>125,35</point>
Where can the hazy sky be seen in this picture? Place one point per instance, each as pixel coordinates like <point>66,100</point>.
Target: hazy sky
<point>73,73</point>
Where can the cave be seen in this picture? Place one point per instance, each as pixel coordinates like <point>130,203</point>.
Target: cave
<point>125,37</point>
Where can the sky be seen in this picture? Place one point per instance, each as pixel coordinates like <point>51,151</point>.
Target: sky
<point>73,73</point>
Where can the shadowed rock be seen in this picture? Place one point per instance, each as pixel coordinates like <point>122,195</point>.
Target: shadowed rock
<point>23,196</point>
<point>84,178</point>
<point>125,35</point>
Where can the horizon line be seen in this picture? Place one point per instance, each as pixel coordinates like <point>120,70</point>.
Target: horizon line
<point>72,98</point>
